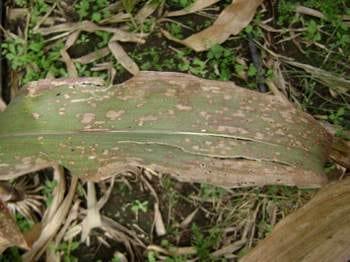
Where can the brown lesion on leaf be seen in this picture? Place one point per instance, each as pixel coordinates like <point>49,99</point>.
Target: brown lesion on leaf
<point>88,118</point>
<point>36,115</point>
<point>239,113</point>
<point>61,111</point>
<point>183,107</point>
<point>114,115</point>
<point>144,119</point>
<point>205,115</point>
<point>170,92</point>
<point>232,130</point>
<point>259,136</point>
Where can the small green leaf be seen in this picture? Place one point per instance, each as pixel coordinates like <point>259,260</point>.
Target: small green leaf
<point>96,17</point>
<point>128,5</point>
<point>252,70</point>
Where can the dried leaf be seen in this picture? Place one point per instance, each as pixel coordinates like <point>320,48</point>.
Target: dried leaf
<point>2,105</point>
<point>158,220</point>
<point>42,19</point>
<point>229,249</point>
<point>197,130</point>
<point>182,251</point>
<point>13,14</point>
<point>336,83</point>
<point>341,152</point>
<point>72,38</point>
<point>33,234</point>
<point>93,56</point>
<point>58,193</point>
<point>188,220</point>
<point>278,85</point>
<point>231,21</point>
<point>147,10</point>
<point>71,218</point>
<point>173,251</point>
<point>117,232</point>
<point>309,11</point>
<point>123,58</point>
<point>315,13</point>
<point>117,18</point>
<point>10,234</point>
<point>319,231</point>
<point>8,193</point>
<point>90,27</point>
<point>93,217</point>
<point>51,227</point>
<point>194,7</point>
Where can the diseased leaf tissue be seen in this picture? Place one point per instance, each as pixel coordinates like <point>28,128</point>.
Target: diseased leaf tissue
<point>197,130</point>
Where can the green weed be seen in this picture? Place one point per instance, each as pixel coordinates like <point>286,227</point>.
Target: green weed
<point>204,244</point>
<point>312,33</point>
<point>23,223</point>
<point>48,189</point>
<point>180,3</point>
<point>32,58</point>
<point>222,59</point>
<point>129,5</point>
<point>65,249</point>
<point>138,206</point>
<point>21,3</point>
<point>211,192</point>
<point>337,117</point>
<point>38,8</point>
<point>92,10</point>
<point>12,254</point>
<point>175,30</point>
<point>286,11</point>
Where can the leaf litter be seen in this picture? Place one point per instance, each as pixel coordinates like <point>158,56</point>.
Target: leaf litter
<point>230,22</point>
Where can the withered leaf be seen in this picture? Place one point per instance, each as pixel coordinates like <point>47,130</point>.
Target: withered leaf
<point>148,9</point>
<point>194,7</point>
<point>2,105</point>
<point>122,57</point>
<point>319,231</point>
<point>10,234</point>
<point>231,21</point>
<point>93,56</point>
<point>88,26</point>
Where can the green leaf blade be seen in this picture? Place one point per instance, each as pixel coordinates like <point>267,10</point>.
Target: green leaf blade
<point>201,130</point>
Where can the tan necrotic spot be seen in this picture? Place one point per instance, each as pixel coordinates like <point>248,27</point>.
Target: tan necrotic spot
<point>61,111</point>
<point>239,113</point>
<point>113,115</point>
<point>144,119</point>
<point>88,118</point>
<point>183,107</point>
<point>36,115</point>
<point>259,136</point>
<point>232,129</point>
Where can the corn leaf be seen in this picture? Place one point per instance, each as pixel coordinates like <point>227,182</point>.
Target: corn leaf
<point>194,129</point>
<point>319,231</point>
<point>10,234</point>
